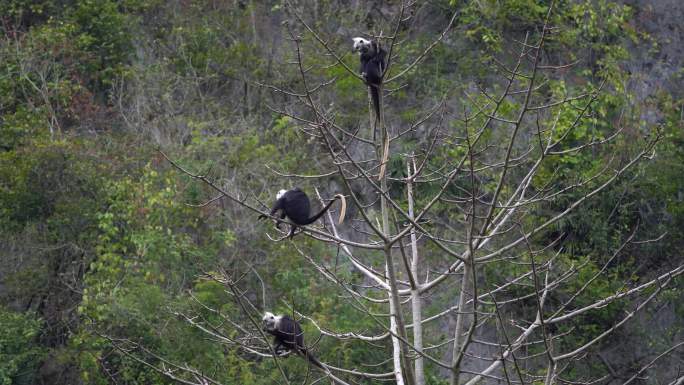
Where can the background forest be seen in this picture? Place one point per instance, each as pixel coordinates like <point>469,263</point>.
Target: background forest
<point>120,266</point>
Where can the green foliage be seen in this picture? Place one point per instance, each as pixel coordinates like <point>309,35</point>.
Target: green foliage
<point>56,185</point>
<point>85,84</point>
<point>25,13</point>
<point>20,352</point>
<point>51,73</point>
<point>486,20</point>
<point>146,255</point>
<point>103,31</point>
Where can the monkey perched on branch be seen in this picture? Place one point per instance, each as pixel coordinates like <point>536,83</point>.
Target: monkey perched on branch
<point>287,333</point>
<point>373,65</point>
<point>296,206</point>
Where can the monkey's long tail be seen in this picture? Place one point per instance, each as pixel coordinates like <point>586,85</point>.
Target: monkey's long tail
<point>375,95</point>
<point>385,139</point>
<point>311,358</point>
<point>343,208</point>
<point>327,371</point>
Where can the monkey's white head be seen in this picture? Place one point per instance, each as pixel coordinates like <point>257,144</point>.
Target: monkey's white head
<point>270,321</point>
<point>361,45</point>
<point>280,195</point>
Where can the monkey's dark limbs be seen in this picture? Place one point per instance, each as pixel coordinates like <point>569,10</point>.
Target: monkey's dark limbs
<point>292,231</point>
<point>264,216</point>
<point>282,217</point>
<point>279,348</point>
<point>278,205</point>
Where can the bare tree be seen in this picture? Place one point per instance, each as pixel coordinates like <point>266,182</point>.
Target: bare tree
<point>478,191</point>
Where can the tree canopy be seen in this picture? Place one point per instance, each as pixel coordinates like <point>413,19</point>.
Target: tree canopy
<point>513,216</point>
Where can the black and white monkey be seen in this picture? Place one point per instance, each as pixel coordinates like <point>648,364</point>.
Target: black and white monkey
<point>296,206</point>
<point>373,65</point>
<point>288,334</point>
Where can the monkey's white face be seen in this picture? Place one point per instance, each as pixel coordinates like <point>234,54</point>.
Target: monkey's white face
<point>270,321</point>
<point>361,44</point>
<point>280,195</point>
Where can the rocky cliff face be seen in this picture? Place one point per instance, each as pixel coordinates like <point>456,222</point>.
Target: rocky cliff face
<point>657,68</point>
<point>656,63</point>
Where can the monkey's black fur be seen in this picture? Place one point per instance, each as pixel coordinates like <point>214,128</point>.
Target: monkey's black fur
<point>296,206</point>
<point>287,333</point>
<point>373,65</point>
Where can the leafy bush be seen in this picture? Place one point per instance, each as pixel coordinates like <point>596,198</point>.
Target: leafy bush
<point>20,352</point>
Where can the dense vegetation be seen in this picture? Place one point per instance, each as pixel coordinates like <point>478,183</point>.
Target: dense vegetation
<point>106,246</point>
